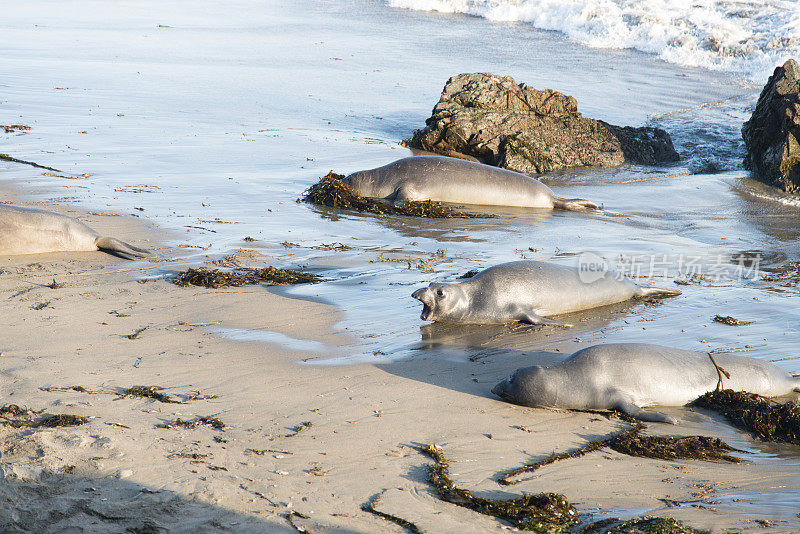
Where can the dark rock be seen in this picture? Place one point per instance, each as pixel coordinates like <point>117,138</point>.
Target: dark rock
<point>496,121</point>
<point>772,135</point>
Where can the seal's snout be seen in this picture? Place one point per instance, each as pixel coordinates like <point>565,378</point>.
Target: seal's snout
<point>420,295</point>
<point>501,390</point>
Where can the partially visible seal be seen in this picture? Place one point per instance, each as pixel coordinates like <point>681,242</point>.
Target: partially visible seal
<point>458,181</point>
<point>31,231</point>
<point>526,291</point>
<point>628,376</point>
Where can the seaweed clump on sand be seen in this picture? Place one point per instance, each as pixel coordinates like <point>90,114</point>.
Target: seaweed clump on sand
<point>730,321</point>
<point>150,392</point>
<point>767,419</point>
<point>633,443</point>
<point>543,512</point>
<point>16,417</point>
<point>214,422</point>
<point>640,525</point>
<point>331,191</point>
<point>674,448</point>
<point>215,278</point>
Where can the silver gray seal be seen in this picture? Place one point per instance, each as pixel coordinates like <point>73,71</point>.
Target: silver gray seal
<point>526,291</point>
<point>32,231</point>
<point>628,376</point>
<point>458,181</point>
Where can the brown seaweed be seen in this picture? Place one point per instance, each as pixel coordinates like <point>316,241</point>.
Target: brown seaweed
<point>213,422</point>
<point>640,525</point>
<point>150,392</point>
<point>215,278</point>
<point>730,321</point>
<point>6,157</point>
<point>369,506</point>
<point>765,418</point>
<point>543,512</point>
<point>633,443</point>
<point>11,128</point>
<point>331,191</point>
<point>789,274</point>
<point>15,417</point>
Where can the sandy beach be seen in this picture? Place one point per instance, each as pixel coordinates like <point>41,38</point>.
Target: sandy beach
<point>320,441</point>
<point>193,131</point>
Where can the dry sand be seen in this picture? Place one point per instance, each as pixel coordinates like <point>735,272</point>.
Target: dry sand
<point>121,471</point>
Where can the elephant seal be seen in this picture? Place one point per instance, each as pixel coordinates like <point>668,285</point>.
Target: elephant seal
<point>526,291</point>
<point>458,181</point>
<point>31,231</point>
<point>627,376</point>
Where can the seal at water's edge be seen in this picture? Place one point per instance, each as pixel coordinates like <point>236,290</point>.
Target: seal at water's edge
<point>526,291</point>
<point>32,231</point>
<point>627,376</point>
<point>458,181</point>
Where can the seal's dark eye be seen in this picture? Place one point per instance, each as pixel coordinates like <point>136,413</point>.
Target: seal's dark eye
<point>439,293</point>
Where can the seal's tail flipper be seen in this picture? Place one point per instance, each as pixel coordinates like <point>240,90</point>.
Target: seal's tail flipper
<point>574,204</point>
<point>529,316</point>
<point>643,415</point>
<point>646,292</point>
<point>115,245</point>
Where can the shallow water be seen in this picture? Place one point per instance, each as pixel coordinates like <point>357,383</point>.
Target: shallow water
<point>211,120</point>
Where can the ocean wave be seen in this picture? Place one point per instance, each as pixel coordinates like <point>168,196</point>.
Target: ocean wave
<point>748,37</point>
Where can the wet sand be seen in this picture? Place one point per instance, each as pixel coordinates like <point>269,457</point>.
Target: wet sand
<point>316,440</point>
<point>210,124</point>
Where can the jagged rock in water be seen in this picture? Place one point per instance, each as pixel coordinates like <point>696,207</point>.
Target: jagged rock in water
<point>772,135</point>
<point>496,121</point>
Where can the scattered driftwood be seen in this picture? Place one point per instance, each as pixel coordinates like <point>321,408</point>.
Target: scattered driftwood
<point>331,191</point>
<point>767,419</point>
<point>215,278</point>
<point>543,512</point>
<point>633,443</point>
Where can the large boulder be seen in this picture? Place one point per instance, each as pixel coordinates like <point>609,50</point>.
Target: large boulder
<point>772,135</point>
<point>499,122</point>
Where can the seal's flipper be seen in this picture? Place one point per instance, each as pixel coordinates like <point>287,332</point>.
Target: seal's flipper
<point>528,316</point>
<point>115,245</point>
<point>643,415</point>
<point>645,292</point>
<point>404,193</point>
<point>574,204</point>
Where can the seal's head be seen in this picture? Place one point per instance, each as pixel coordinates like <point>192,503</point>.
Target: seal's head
<point>527,386</point>
<point>441,302</point>
<point>362,183</point>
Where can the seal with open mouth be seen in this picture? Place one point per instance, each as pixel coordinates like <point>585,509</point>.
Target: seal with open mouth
<point>526,291</point>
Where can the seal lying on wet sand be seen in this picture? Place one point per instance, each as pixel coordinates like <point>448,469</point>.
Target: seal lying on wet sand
<point>526,291</point>
<point>458,181</point>
<point>627,376</point>
<point>31,231</point>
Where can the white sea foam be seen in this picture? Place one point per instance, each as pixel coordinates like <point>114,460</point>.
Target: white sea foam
<point>749,37</point>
